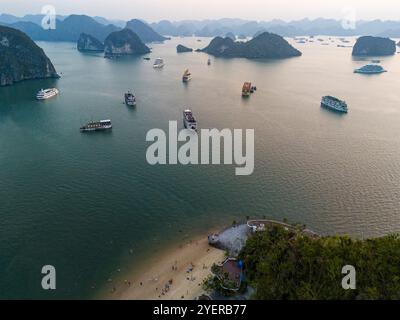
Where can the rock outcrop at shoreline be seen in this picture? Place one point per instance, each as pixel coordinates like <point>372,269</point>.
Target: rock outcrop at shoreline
<point>88,43</point>
<point>265,46</point>
<point>231,240</point>
<point>124,43</point>
<point>374,46</point>
<point>21,59</point>
<point>181,49</point>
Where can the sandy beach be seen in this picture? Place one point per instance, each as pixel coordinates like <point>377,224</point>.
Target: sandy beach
<point>176,274</point>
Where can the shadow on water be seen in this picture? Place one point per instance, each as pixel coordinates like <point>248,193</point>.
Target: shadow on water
<point>253,61</point>
<point>97,134</point>
<point>125,59</point>
<point>26,88</point>
<point>246,101</point>
<point>130,109</point>
<point>93,54</point>
<point>272,61</point>
<point>373,58</point>
<point>5,112</point>
<point>334,113</point>
<point>369,75</point>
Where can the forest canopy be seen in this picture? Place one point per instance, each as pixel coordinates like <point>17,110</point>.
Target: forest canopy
<point>289,265</point>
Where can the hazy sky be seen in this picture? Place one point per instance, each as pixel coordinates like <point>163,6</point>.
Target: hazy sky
<point>154,10</point>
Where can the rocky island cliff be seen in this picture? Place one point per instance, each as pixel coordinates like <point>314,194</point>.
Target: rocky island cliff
<point>181,49</point>
<point>374,46</point>
<point>265,46</point>
<point>124,43</point>
<point>88,43</point>
<point>144,31</point>
<point>21,59</point>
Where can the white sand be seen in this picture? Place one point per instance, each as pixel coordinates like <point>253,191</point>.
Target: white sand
<point>150,282</point>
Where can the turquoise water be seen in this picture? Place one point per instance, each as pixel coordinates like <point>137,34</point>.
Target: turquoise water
<point>81,202</point>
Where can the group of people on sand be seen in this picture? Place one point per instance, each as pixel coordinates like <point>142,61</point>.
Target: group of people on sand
<point>126,282</point>
<point>167,287</point>
<point>175,266</point>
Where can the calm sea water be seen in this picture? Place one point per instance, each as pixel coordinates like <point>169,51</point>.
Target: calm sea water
<point>81,202</point>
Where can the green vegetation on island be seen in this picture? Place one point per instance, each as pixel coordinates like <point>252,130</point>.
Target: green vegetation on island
<point>265,46</point>
<point>181,49</point>
<point>88,43</point>
<point>284,264</point>
<point>22,59</point>
<point>124,43</point>
<point>374,46</point>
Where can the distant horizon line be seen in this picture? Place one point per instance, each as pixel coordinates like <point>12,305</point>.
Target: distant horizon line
<point>199,19</point>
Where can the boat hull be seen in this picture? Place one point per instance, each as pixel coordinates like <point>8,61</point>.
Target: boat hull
<point>45,96</point>
<point>190,125</point>
<point>102,125</point>
<point>246,90</point>
<point>189,122</point>
<point>96,129</point>
<point>329,107</point>
<point>129,102</point>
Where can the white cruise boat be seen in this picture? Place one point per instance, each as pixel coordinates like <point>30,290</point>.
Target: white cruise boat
<point>45,94</point>
<point>158,63</point>
<point>189,121</point>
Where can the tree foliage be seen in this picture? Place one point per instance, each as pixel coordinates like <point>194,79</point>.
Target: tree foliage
<point>287,264</point>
